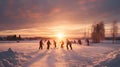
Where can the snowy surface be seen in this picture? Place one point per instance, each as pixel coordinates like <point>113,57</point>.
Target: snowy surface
<point>26,54</point>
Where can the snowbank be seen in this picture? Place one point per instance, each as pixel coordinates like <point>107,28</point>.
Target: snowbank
<point>111,60</point>
<point>10,58</point>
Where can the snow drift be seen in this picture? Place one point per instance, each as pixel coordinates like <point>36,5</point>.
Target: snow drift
<point>10,58</point>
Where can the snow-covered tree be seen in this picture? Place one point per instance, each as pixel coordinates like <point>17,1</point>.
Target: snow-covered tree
<point>114,31</point>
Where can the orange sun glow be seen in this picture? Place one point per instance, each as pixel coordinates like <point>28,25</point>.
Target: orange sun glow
<point>60,36</point>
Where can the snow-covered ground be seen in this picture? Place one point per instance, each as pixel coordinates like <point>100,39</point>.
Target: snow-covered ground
<point>26,54</point>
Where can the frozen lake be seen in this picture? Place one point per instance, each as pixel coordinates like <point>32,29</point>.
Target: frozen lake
<point>95,55</point>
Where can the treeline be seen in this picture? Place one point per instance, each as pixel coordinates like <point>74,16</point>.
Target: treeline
<point>11,38</point>
<point>18,38</point>
<point>111,38</point>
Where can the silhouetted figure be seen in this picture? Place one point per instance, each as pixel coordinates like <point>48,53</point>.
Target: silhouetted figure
<point>54,43</point>
<point>74,41</point>
<point>69,44</point>
<point>41,44</point>
<point>87,41</point>
<point>62,43</point>
<point>80,42</point>
<point>48,44</point>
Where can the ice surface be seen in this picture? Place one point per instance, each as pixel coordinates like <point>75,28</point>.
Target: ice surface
<point>26,54</point>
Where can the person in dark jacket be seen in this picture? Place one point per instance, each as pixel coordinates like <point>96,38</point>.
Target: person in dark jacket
<point>79,41</point>
<point>87,41</point>
<point>54,43</point>
<point>41,45</point>
<point>69,44</point>
<point>62,44</point>
<point>48,44</point>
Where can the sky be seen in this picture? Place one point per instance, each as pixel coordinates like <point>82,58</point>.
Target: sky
<point>49,17</point>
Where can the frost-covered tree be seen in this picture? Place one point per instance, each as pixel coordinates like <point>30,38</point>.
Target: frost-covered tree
<point>102,31</point>
<point>114,31</point>
<point>98,32</point>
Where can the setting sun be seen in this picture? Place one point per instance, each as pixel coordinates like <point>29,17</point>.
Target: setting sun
<point>60,36</point>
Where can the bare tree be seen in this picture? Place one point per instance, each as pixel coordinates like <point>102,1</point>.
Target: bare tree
<point>102,30</point>
<point>114,31</point>
<point>98,32</point>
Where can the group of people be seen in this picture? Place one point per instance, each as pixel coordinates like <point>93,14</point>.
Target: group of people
<point>62,43</point>
<point>41,44</point>
<point>86,40</point>
<point>68,44</point>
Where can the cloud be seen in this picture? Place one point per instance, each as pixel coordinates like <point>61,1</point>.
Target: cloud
<point>22,14</point>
